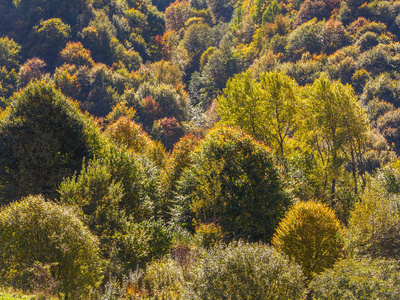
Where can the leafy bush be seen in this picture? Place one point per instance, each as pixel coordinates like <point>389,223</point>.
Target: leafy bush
<point>160,238</point>
<point>367,41</point>
<point>99,197</point>
<point>311,235</point>
<point>208,234</point>
<point>36,231</point>
<point>163,279</point>
<point>172,102</point>
<point>141,243</point>
<point>244,271</point>
<point>358,279</point>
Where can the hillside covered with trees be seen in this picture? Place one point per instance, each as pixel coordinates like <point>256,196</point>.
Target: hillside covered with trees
<point>202,149</point>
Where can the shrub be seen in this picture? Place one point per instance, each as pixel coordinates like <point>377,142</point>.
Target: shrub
<point>244,271</point>
<point>141,243</point>
<point>36,231</point>
<point>99,197</point>
<point>177,162</point>
<point>208,234</point>
<point>118,178</point>
<point>311,235</point>
<point>163,279</point>
<point>172,102</point>
<point>359,279</point>
<point>160,238</point>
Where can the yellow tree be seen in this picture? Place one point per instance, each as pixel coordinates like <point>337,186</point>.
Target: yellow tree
<point>335,126</point>
<point>311,235</point>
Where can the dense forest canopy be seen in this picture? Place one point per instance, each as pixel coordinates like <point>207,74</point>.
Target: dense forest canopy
<point>158,149</point>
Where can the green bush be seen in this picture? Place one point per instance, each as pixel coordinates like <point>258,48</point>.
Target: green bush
<point>141,243</point>
<point>359,279</point>
<point>160,238</point>
<point>34,231</point>
<point>244,271</point>
<point>381,58</point>
<point>367,41</point>
<point>383,87</point>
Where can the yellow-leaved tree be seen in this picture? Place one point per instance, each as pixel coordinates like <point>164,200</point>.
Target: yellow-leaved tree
<point>311,235</point>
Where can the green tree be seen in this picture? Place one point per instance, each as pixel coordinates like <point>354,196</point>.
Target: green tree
<point>49,38</point>
<point>196,40</point>
<point>232,182</point>
<point>177,162</point>
<point>43,138</point>
<point>336,128</point>
<point>9,62</point>
<point>117,177</point>
<point>270,13</point>
<point>221,9</point>
<point>99,197</point>
<point>37,231</point>
<point>9,53</point>
<point>306,37</point>
<point>266,109</point>
<point>311,235</point>
<point>374,224</point>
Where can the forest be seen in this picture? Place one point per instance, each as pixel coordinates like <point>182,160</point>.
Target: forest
<point>200,149</point>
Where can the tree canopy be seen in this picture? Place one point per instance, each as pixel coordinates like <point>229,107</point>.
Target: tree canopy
<point>43,138</point>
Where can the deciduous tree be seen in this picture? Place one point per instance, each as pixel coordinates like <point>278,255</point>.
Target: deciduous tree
<point>311,235</point>
<point>43,138</point>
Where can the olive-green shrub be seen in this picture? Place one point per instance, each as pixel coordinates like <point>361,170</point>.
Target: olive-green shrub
<point>34,231</point>
<point>359,279</point>
<point>244,271</point>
